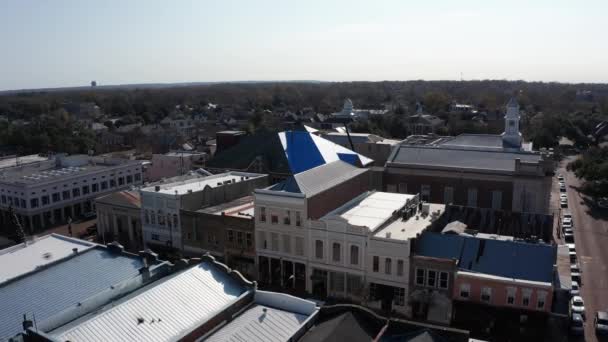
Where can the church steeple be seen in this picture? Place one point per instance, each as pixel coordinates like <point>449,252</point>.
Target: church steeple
<point>511,136</point>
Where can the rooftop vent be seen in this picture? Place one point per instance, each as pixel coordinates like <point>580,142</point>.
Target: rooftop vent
<point>189,191</point>
<point>157,188</point>
<point>388,235</point>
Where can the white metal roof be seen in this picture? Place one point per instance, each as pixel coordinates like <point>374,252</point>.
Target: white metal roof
<point>164,311</point>
<point>21,259</point>
<point>372,209</point>
<point>272,317</point>
<point>199,184</point>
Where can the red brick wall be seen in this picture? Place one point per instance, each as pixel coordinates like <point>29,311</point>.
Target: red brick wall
<point>331,199</point>
<point>460,185</point>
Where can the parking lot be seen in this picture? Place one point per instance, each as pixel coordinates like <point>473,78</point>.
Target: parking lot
<point>591,240</point>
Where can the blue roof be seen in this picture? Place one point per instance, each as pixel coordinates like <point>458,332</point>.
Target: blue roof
<point>305,151</point>
<point>49,291</point>
<point>509,259</point>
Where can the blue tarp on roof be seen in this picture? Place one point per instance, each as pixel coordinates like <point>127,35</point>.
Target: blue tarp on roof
<point>510,259</point>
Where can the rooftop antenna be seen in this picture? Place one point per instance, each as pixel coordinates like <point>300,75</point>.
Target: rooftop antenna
<point>461,77</point>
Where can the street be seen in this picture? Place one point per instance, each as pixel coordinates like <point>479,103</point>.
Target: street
<point>591,239</point>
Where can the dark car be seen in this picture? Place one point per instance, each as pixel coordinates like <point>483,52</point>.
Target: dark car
<point>601,323</point>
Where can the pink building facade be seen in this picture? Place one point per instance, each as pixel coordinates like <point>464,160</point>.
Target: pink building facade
<point>502,292</point>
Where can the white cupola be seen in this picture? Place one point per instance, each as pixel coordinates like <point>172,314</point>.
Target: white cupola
<point>511,137</point>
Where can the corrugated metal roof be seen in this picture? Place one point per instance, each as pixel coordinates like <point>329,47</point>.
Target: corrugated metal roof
<point>260,323</point>
<point>125,198</point>
<point>48,292</point>
<point>163,311</point>
<point>21,259</point>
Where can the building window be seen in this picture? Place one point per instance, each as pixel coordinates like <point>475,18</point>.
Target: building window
<point>541,296</point>
<point>161,218</point>
<point>121,181</point>
<point>299,245</point>
<point>33,203</point>
<point>286,243</point>
<point>239,238</point>
<point>472,197</point>
<point>45,200</point>
<point>85,189</point>
<point>175,220</point>
<point>152,217</point>
<point>425,192</point>
<point>66,195</point>
<point>4,199</point>
<point>486,294</point>
<point>104,185</point>
<point>287,218</point>
<point>262,243</point>
<point>112,183</point>
<point>274,241</point>
<point>169,221</point>
<point>431,278</point>
<point>95,187</point>
<point>56,197</point>
<point>336,252</point>
<point>189,236</point>
<point>400,268</point>
<point>496,199</point>
<point>448,195</point>
<point>388,265</point>
<point>129,179</point>
<point>274,219</point>
<point>376,263</point>
<point>465,290</point>
<point>402,188</point>
<point>146,217</point>
<point>298,219</point>
<point>443,280</point>
<point>155,237</point>
<point>525,299</point>
<point>249,240</point>
<point>420,276</point>
<point>354,255</point>
<point>511,295</point>
<point>137,177</point>
<point>319,249</point>
<point>230,234</point>
<point>262,214</point>
<point>22,203</point>
<point>399,296</point>
<point>75,192</point>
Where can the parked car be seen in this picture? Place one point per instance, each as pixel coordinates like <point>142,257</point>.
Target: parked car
<point>577,325</point>
<point>567,223</point>
<point>577,306</point>
<point>601,323</point>
<point>568,215</point>
<point>575,273</point>
<point>560,177</point>
<point>569,236</point>
<point>563,202</point>
<point>562,187</point>
<point>602,203</point>
<point>575,289</point>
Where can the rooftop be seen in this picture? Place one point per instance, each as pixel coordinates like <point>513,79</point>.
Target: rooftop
<point>61,168</point>
<point>25,258</point>
<point>58,292</point>
<point>372,209</point>
<point>22,160</point>
<point>271,317</point>
<point>241,207</point>
<point>516,259</point>
<point>319,179</point>
<point>409,228</point>
<point>166,310</point>
<point>125,198</point>
<point>199,184</point>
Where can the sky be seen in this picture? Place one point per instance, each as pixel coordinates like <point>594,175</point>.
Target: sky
<point>72,42</point>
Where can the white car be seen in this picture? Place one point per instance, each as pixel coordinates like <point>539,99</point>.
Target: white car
<point>575,290</point>
<point>571,247</point>
<point>577,306</point>
<point>563,196</point>
<point>601,322</point>
<point>567,215</point>
<point>563,202</point>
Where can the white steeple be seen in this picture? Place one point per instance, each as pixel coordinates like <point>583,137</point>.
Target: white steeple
<point>511,136</point>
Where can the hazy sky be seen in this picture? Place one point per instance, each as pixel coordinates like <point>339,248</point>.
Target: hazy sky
<point>52,43</point>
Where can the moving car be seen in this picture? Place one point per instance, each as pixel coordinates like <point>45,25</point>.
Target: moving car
<point>575,289</point>
<point>577,306</point>
<point>577,326</point>
<point>601,323</point>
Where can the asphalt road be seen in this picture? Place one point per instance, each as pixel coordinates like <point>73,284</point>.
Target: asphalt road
<point>591,239</point>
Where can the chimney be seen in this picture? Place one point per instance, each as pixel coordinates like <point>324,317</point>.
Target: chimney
<point>75,250</point>
<point>157,188</point>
